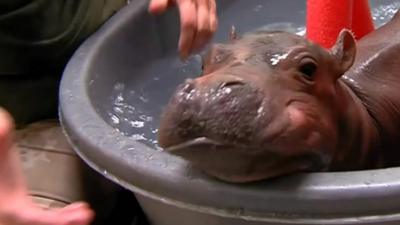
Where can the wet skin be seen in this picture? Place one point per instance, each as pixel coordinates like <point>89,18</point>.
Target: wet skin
<point>272,103</point>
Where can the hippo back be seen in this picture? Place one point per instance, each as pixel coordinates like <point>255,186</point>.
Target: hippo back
<point>374,42</point>
<point>375,79</point>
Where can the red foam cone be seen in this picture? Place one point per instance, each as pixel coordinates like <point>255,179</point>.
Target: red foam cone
<point>362,22</point>
<point>326,18</point>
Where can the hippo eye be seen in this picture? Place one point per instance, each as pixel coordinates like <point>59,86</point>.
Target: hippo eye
<point>308,68</point>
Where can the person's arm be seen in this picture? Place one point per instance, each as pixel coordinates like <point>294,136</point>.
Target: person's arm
<point>198,22</point>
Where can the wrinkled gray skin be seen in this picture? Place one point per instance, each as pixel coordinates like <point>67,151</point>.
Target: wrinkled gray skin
<point>273,103</point>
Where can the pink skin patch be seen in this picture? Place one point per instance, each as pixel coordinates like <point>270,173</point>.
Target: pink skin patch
<point>16,206</point>
<point>296,116</point>
<point>300,121</point>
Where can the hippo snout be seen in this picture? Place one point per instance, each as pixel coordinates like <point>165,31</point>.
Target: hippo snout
<point>220,108</point>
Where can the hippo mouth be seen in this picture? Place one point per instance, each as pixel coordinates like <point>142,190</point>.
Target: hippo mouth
<point>194,144</point>
<point>196,148</point>
<point>240,163</point>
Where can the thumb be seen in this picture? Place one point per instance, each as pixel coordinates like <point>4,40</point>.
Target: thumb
<point>158,6</point>
<point>6,130</point>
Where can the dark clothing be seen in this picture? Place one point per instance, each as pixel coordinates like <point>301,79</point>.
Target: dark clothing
<point>37,37</point>
<point>37,34</point>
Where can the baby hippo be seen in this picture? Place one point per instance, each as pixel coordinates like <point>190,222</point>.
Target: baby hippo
<point>273,103</point>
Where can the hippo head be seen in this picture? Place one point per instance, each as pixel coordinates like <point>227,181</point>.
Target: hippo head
<point>265,105</point>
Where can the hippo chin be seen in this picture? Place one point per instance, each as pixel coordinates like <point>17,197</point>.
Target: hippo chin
<point>273,103</point>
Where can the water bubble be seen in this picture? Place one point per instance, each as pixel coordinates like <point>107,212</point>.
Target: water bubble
<point>131,149</point>
<point>146,118</point>
<point>143,99</point>
<point>138,137</point>
<point>119,86</point>
<point>115,119</point>
<point>118,110</point>
<point>257,8</point>
<point>119,100</point>
<point>301,31</point>
<point>137,124</point>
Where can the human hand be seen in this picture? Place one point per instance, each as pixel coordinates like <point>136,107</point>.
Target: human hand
<point>16,206</point>
<point>198,22</point>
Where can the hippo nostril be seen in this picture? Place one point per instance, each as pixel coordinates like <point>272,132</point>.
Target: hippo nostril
<point>232,83</point>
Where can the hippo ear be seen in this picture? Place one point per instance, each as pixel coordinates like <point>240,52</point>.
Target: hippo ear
<point>344,50</point>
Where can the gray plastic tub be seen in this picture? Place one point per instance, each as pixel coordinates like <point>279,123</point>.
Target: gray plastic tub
<point>112,94</point>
